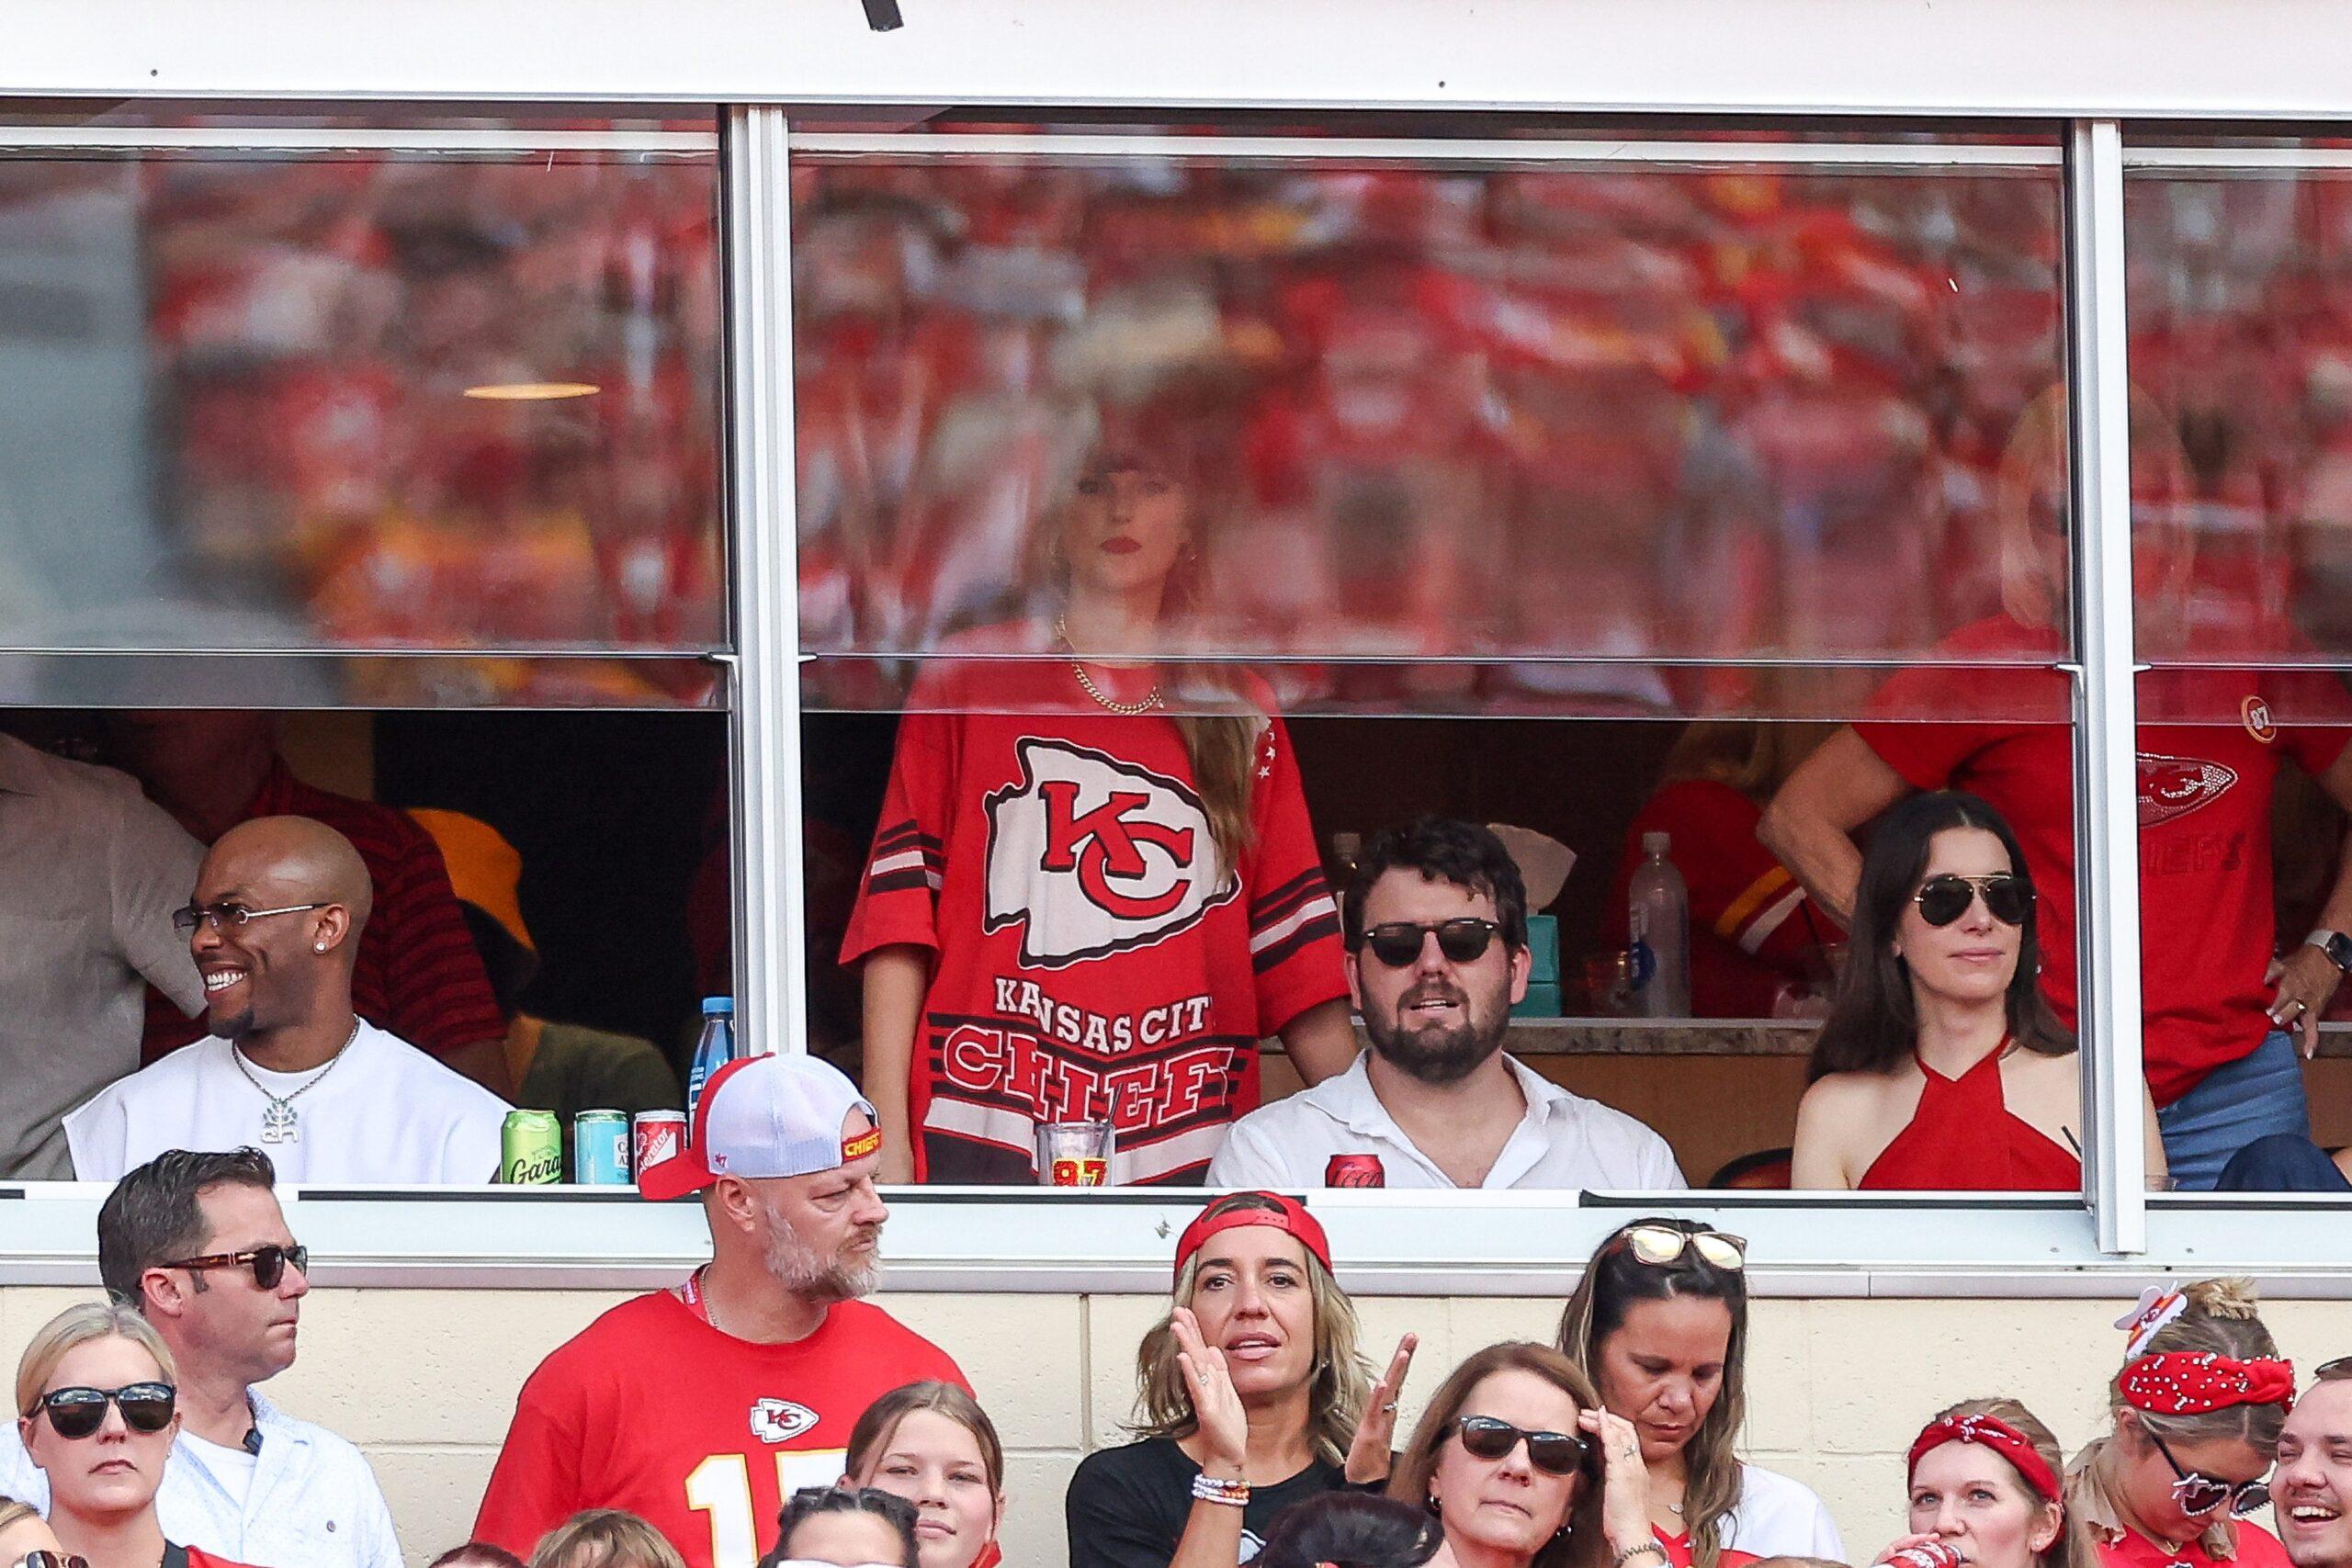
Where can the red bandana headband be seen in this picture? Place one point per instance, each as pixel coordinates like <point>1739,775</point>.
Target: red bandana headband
<point>1288,1214</point>
<point>2177,1383</point>
<point>1994,1434</point>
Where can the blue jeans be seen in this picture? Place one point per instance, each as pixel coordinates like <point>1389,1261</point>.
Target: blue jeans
<point>2256,1096</point>
<point>2283,1162</point>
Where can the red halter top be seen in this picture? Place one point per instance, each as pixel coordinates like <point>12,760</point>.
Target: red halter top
<point>1962,1139</point>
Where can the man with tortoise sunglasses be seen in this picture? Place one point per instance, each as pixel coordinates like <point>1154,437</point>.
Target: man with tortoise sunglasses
<point>197,1243</point>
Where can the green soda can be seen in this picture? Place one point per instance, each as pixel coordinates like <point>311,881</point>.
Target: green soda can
<point>530,1149</point>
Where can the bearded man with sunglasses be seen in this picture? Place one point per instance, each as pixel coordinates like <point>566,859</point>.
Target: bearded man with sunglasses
<point>199,1244</point>
<point>1435,924</point>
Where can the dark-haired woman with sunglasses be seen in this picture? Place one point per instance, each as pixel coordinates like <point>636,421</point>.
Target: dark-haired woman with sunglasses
<point>2196,1413</point>
<point>1659,1323</point>
<point>1941,1066</point>
<point>98,1410</point>
<point>1524,1469</point>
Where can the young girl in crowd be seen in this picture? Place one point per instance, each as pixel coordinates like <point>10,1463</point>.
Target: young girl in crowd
<point>1984,1481</point>
<point>1252,1396</point>
<point>2196,1412</point>
<point>1941,1066</point>
<point>845,1526</point>
<point>606,1537</point>
<point>1659,1323</point>
<point>96,1407</point>
<point>1094,869</point>
<point>23,1534</point>
<point>932,1444</point>
<point>1524,1469</point>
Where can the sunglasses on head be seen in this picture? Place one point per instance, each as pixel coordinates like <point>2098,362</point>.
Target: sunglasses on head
<point>78,1412</point>
<point>1658,1246</point>
<point>1488,1437</point>
<point>1943,899</point>
<point>1399,943</point>
<point>46,1558</point>
<point>268,1263</point>
<point>2198,1493</point>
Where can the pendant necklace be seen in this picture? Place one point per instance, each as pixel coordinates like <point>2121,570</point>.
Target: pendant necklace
<point>279,1122</point>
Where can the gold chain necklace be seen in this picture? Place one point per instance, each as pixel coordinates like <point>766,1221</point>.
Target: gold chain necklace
<point>1148,703</point>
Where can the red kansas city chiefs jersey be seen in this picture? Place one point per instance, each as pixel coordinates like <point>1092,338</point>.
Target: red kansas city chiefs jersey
<point>2206,924</point>
<point>1093,957</point>
<point>699,1433</point>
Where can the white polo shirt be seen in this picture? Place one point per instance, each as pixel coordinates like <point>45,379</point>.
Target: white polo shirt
<point>1565,1140</point>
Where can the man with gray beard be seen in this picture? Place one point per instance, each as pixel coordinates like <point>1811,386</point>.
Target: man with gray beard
<point>702,1408</point>
<point>1435,924</point>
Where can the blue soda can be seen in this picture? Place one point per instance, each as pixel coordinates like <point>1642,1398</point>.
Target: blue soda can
<point>600,1148</point>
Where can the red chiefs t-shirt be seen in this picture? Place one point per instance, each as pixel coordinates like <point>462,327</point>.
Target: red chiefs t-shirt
<point>701,1434</point>
<point>1678,1551</point>
<point>2256,1548</point>
<point>2206,926</point>
<point>1092,953</point>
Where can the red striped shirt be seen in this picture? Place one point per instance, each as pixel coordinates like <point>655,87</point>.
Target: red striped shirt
<point>418,974</point>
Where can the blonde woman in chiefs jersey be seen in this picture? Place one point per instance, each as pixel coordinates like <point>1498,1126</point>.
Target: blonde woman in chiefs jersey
<point>1094,887</point>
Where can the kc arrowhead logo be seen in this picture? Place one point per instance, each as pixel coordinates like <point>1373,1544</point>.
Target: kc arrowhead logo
<point>1090,856</point>
<point>2172,787</point>
<point>780,1420</point>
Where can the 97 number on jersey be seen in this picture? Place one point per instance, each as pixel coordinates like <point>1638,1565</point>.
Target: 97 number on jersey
<point>721,1487</point>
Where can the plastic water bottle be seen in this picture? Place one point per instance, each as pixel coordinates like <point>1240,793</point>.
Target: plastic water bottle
<point>1657,908</point>
<point>714,1050</point>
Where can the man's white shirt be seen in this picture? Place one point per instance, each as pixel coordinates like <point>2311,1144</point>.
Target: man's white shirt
<point>1565,1140</point>
<point>312,1502</point>
<point>383,1112</point>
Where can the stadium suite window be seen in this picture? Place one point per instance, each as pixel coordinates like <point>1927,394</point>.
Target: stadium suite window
<point>1698,459</point>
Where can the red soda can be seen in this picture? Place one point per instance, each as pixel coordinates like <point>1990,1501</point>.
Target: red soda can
<point>1354,1171</point>
<point>656,1135</point>
<point>1930,1554</point>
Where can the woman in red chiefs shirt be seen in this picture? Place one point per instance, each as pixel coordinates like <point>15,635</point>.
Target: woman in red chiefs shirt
<point>1251,1396</point>
<point>1984,1483</point>
<point>1940,1067</point>
<point>2197,1409</point>
<point>97,1409</point>
<point>1094,888</point>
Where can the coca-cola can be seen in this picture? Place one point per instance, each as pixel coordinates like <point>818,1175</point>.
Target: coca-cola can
<point>1354,1171</point>
<point>654,1136</point>
<point>1928,1554</point>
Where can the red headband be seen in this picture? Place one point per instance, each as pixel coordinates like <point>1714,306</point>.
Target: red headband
<point>2177,1383</point>
<point>1288,1214</point>
<point>1994,1434</point>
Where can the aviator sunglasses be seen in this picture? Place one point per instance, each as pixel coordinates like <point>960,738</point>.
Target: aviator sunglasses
<point>268,1263</point>
<point>1658,1246</point>
<point>45,1559</point>
<point>1943,899</point>
<point>2198,1493</point>
<point>1489,1436</point>
<point>1398,943</point>
<point>78,1412</point>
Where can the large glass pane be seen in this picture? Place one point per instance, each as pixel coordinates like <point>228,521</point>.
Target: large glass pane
<point>1705,456</point>
<point>2241,352</point>
<point>360,400</point>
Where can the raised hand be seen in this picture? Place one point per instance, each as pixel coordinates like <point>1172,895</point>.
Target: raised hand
<point>1624,1480</point>
<point>1375,1439</point>
<point>1216,1408</point>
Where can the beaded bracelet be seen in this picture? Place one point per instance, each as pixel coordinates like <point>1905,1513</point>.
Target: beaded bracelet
<point>1232,1493</point>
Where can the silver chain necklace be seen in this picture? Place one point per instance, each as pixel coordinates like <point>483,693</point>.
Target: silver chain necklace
<point>279,1122</point>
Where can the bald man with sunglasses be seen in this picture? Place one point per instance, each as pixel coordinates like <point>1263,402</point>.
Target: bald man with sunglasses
<point>1435,925</point>
<point>197,1243</point>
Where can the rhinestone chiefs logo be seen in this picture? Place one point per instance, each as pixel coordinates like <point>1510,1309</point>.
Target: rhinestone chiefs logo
<point>2172,787</point>
<point>1089,855</point>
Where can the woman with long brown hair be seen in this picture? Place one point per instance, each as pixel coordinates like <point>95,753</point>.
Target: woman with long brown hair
<point>1251,1396</point>
<point>932,1444</point>
<point>1525,1469</point>
<point>2196,1413</point>
<point>1094,886</point>
<point>1983,1481</point>
<point>1659,1323</point>
<point>1941,1066</point>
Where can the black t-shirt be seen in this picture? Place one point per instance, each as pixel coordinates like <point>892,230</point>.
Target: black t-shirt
<point>1127,1507</point>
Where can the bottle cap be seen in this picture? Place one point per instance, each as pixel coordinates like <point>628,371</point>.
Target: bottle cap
<point>1654,843</point>
<point>719,1007</point>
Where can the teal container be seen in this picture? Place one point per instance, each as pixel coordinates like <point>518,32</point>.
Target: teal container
<point>1543,949</point>
<point>1541,1001</point>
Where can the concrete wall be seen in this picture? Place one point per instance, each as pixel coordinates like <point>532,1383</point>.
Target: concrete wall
<point>425,1380</point>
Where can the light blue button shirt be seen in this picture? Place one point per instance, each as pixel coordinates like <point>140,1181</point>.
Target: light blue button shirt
<point>313,1502</point>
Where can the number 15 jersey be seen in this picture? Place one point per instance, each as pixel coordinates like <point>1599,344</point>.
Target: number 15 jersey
<point>701,1434</point>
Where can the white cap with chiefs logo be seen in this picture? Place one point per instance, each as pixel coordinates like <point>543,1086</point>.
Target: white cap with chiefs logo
<point>776,1114</point>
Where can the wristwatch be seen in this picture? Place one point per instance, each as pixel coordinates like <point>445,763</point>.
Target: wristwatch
<point>2336,944</point>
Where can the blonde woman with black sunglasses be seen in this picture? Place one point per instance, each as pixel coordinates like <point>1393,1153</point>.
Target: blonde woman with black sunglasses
<point>1659,1323</point>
